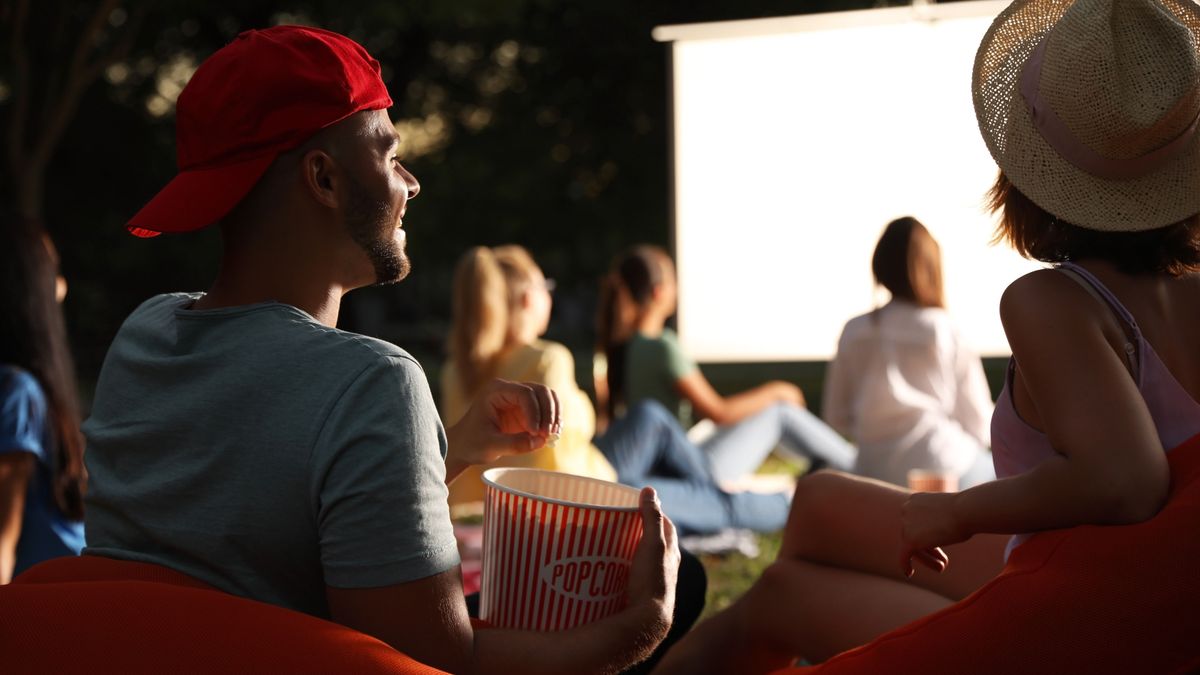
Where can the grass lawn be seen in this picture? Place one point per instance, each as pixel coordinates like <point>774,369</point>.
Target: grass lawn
<point>729,576</point>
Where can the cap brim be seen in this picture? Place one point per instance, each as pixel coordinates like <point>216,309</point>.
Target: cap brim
<point>198,198</point>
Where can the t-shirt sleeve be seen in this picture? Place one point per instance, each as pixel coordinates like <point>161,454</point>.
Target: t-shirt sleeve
<point>679,365</point>
<point>379,477</point>
<point>22,414</point>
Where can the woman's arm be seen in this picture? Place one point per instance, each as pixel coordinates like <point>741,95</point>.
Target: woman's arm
<point>732,409</point>
<point>15,470</point>
<point>1111,469</point>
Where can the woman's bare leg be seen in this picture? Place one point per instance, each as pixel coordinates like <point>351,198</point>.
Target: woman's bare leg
<point>799,609</point>
<point>853,523</point>
<point>837,583</point>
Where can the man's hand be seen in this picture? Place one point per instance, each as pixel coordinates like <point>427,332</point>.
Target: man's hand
<point>655,568</point>
<point>507,418</point>
<point>927,523</point>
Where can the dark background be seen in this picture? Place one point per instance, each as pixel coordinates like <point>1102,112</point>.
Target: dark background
<point>551,121</point>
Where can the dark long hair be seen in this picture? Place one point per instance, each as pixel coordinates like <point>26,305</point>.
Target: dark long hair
<point>33,337</point>
<point>908,263</point>
<point>636,273</point>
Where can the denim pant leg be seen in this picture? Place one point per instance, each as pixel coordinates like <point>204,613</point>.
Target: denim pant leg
<point>738,449</point>
<point>648,440</point>
<point>648,447</point>
<point>809,435</point>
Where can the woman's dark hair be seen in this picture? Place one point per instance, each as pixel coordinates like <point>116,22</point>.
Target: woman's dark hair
<point>33,337</point>
<point>908,263</point>
<point>1037,234</point>
<point>634,275</point>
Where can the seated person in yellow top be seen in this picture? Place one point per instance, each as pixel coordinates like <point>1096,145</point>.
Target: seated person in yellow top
<point>495,332</point>
<point>500,309</point>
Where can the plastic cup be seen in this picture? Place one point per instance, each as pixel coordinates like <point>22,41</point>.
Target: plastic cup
<point>927,480</point>
<point>557,548</point>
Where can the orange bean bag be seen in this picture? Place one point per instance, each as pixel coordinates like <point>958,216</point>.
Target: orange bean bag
<point>98,615</point>
<point>1122,599</point>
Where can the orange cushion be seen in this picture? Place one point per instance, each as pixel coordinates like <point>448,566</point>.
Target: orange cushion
<point>100,615</point>
<point>1119,599</point>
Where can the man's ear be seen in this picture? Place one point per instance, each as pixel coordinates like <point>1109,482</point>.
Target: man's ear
<point>319,174</point>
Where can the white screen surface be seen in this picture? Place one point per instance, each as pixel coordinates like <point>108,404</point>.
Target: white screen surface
<point>796,141</point>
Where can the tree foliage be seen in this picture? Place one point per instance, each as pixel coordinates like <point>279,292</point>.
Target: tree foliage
<point>539,122</point>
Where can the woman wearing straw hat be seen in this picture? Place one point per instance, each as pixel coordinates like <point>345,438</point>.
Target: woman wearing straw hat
<point>1090,109</point>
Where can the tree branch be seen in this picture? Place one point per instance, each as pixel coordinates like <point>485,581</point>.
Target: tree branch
<point>80,76</point>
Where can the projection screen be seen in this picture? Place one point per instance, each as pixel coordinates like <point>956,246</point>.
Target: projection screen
<point>795,141</point>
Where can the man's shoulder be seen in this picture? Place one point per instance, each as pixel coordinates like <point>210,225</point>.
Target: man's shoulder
<point>369,351</point>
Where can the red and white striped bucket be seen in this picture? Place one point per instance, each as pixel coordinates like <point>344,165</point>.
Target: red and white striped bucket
<point>557,548</point>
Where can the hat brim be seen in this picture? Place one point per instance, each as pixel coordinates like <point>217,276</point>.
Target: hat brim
<point>1163,197</point>
<point>198,198</point>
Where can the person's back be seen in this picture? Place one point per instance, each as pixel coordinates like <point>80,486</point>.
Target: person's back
<point>653,366</point>
<point>256,427</point>
<point>904,385</point>
<point>909,394</point>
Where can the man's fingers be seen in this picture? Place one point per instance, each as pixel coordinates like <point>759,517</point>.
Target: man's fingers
<point>652,515</point>
<point>669,532</point>
<point>556,422</point>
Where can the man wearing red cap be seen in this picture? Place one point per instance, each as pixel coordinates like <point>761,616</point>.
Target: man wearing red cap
<point>239,437</point>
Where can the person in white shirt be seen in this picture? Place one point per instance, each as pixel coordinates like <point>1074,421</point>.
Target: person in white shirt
<point>904,386</point>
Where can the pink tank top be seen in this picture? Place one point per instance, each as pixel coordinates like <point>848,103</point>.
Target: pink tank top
<point>1018,447</point>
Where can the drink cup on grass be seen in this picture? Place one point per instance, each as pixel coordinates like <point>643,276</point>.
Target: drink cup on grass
<point>928,480</point>
<point>557,548</point>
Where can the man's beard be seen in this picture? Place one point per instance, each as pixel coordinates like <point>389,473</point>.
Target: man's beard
<point>370,223</point>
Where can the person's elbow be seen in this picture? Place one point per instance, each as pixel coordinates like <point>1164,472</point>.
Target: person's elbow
<point>1136,494</point>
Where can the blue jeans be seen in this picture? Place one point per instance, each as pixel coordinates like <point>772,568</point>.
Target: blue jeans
<point>648,447</point>
<point>739,449</point>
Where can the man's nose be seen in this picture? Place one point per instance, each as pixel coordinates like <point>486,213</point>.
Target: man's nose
<point>414,187</point>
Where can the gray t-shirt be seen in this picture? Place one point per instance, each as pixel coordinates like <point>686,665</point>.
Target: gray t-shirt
<point>266,454</point>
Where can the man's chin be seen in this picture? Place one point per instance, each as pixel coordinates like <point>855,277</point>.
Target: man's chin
<point>392,270</point>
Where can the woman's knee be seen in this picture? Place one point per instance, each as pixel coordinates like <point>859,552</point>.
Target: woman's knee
<point>817,501</point>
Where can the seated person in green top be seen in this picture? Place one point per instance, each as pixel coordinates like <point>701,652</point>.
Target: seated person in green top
<point>644,360</point>
<point>239,437</point>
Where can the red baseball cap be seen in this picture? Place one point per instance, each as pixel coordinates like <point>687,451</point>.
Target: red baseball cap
<point>262,94</point>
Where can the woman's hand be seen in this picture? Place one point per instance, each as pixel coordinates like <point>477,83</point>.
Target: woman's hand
<point>927,523</point>
<point>507,418</point>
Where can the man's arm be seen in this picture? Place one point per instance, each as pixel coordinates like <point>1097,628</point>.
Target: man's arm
<point>427,619</point>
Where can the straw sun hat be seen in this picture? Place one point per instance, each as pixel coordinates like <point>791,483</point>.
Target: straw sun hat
<point>1090,108</point>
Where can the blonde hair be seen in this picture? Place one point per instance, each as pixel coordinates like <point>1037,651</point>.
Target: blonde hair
<point>488,286</point>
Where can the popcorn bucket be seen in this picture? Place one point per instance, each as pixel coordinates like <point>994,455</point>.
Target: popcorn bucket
<point>557,548</point>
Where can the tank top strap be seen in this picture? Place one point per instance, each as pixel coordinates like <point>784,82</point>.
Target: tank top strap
<point>1105,294</point>
<point>1134,349</point>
